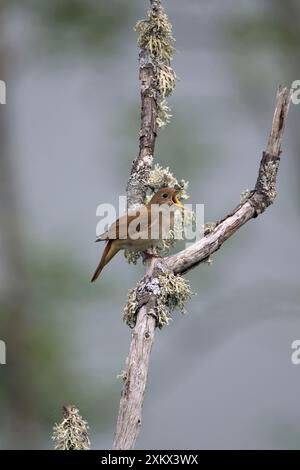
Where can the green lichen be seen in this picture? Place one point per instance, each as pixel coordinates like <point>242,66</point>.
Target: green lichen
<point>155,36</point>
<point>130,309</point>
<point>132,256</point>
<point>166,80</point>
<point>245,196</point>
<point>122,376</point>
<point>175,291</point>
<point>209,261</point>
<point>72,432</point>
<point>164,114</point>
<point>161,178</point>
<point>171,292</point>
<point>208,227</point>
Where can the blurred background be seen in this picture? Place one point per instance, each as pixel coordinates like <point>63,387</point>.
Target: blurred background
<point>220,377</point>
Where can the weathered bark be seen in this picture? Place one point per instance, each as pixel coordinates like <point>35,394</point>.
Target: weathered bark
<point>135,376</point>
<point>130,412</point>
<point>142,164</point>
<point>259,199</point>
<point>263,195</point>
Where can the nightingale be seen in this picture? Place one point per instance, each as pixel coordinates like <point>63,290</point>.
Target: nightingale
<point>142,228</point>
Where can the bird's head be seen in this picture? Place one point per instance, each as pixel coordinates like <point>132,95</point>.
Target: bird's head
<point>166,196</point>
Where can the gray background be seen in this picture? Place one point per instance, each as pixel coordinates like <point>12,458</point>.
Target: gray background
<point>221,376</point>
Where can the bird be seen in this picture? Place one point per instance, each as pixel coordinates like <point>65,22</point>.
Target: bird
<point>142,228</point>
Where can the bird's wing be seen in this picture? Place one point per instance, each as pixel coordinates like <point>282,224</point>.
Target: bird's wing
<point>119,229</point>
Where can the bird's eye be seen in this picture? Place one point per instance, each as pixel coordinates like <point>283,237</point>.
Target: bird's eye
<point>165,195</point>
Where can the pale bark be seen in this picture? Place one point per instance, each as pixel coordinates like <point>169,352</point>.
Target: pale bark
<point>264,193</point>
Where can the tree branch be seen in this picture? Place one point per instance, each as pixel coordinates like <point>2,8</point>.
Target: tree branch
<point>135,378</point>
<point>130,411</point>
<point>137,363</point>
<point>258,200</point>
<point>142,164</point>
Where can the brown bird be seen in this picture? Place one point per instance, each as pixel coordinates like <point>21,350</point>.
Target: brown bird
<point>142,228</point>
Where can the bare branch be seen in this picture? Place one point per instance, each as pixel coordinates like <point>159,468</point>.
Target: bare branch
<point>142,164</point>
<point>130,411</point>
<point>258,200</point>
<point>137,363</point>
<point>135,379</point>
<point>282,107</point>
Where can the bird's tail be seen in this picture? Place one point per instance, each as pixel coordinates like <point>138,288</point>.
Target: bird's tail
<point>109,252</point>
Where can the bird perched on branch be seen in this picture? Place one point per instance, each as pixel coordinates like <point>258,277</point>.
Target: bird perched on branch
<point>142,228</point>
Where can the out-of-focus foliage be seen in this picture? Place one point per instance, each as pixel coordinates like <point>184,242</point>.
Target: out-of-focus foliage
<point>79,25</point>
<point>40,333</point>
<point>273,29</point>
<point>180,146</point>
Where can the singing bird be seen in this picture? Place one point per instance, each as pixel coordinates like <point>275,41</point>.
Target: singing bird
<point>141,228</point>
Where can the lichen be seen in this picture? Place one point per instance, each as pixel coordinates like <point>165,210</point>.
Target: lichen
<point>130,309</point>
<point>170,292</point>
<point>245,195</point>
<point>161,178</point>
<point>72,432</point>
<point>132,256</point>
<point>155,36</point>
<point>208,227</point>
<point>175,291</point>
<point>164,114</point>
<point>209,261</point>
<point>122,376</point>
<point>166,80</point>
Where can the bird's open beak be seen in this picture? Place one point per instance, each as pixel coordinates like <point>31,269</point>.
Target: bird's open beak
<point>178,202</point>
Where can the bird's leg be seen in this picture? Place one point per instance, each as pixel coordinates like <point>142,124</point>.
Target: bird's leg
<point>150,253</point>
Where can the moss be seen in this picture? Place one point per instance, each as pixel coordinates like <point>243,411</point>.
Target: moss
<point>72,432</point>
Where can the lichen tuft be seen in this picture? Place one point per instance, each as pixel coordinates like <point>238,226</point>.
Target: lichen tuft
<point>245,195</point>
<point>130,309</point>
<point>72,432</point>
<point>161,178</point>
<point>155,36</point>
<point>175,291</point>
<point>170,292</point>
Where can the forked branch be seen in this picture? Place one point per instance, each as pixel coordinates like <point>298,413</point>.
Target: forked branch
<point>256,202</point>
